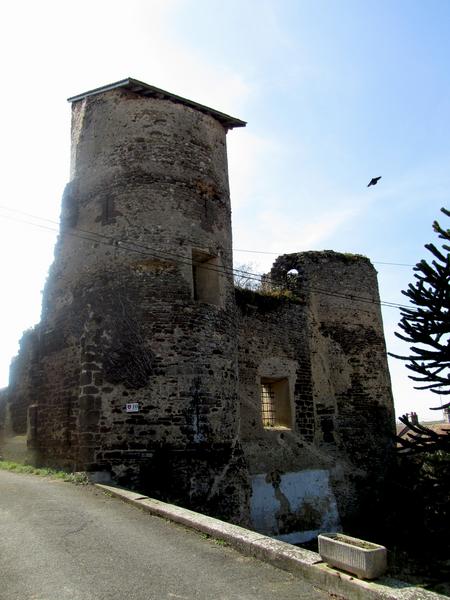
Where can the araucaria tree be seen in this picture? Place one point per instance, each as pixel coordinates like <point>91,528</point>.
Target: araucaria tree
<point>427,324</point>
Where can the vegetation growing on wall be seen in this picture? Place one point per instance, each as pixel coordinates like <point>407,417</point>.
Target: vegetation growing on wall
<point>264,300</point>
<point>262,292</point>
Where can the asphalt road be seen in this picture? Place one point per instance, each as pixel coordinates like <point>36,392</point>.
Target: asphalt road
<point>65,542</point>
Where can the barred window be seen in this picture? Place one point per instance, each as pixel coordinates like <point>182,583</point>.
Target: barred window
<point>275,403</point>
<point>268,404</point>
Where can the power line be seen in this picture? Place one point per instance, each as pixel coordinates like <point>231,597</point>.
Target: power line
<point>379,262</point>
<point>104,239</point>
<point>375,262</point>
<point>87,235</point>
<point>119,243</point>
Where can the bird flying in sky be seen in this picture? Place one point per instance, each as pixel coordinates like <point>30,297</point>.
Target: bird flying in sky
<point>374,181</point>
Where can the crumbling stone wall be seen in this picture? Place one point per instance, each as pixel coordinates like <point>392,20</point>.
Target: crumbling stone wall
<point>353,398</point>
<point>291,496</point>
<point>325,335</point>
<point>23,379</point>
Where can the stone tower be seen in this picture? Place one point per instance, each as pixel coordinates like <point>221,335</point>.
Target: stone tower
<point>139,310</point>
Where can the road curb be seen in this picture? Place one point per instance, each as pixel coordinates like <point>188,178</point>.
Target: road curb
<point>301,562</point>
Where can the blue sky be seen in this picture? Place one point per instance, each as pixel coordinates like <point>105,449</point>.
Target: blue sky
<point>334,92</point>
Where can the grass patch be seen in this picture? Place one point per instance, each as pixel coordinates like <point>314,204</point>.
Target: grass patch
<point>217,541</point>
<point>79,478</point>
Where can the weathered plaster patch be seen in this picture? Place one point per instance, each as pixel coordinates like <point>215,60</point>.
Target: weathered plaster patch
<point>294,507</point>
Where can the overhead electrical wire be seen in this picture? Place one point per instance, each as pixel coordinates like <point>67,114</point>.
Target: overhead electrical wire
<point>148,251</point>
<point>375,262</point>
<point>124,244</point>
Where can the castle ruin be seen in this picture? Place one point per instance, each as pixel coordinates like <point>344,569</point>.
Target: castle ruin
<point>272,409</point>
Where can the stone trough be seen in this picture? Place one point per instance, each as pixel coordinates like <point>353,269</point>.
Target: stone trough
<point>364,559</point>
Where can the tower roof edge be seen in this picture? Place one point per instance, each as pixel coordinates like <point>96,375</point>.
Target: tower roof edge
<point>150,91</point>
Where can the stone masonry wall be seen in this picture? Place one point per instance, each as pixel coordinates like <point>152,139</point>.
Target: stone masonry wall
<point>24,372</point>
<point>291,494</point>
<point>353,398</point>
<point>325,335</point>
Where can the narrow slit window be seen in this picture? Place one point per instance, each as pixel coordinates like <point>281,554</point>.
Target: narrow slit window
<point>206,280</point>
<point>276,403</point>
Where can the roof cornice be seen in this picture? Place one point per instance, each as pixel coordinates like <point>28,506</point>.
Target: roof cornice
<point>149,91</point>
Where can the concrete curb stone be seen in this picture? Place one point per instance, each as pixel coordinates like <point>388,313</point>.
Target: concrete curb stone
<point>298,561</point>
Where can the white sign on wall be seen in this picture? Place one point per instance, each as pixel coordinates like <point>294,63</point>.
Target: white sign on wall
<point>132,407</point>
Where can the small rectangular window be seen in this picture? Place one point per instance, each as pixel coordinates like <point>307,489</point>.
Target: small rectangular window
<point>276,403</point>
<point>206,278</point>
